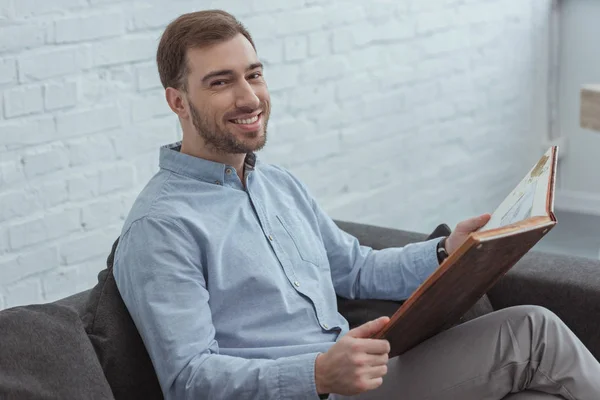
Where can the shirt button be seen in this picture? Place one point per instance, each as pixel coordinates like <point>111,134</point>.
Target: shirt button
<point>218,182</point>
<point>270,238</point>
<point>325,326</point>
<point>228,171</point>
<point>297,284</point>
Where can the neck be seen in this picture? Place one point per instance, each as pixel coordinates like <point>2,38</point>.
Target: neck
<point>197,148</point>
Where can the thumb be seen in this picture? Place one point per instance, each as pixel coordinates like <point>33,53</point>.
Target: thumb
<point>472,224</point>
<point>368,329</point>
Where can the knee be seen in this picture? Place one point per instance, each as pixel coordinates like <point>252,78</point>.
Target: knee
<point>537,313</point>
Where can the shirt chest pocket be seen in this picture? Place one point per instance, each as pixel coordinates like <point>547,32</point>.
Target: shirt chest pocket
<point>300,240</point>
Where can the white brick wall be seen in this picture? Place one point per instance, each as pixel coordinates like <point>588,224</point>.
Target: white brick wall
<point>398,113</point>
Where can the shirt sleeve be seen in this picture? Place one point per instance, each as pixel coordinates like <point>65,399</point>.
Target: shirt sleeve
<point>360,272</point>
<point>159,276</point>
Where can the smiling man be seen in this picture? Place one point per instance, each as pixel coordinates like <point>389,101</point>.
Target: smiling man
<point>230,269</point>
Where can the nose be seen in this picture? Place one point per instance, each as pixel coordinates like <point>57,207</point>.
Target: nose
<point>246,97</point>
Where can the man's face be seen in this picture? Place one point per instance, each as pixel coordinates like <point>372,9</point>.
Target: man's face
<point>228,97</point>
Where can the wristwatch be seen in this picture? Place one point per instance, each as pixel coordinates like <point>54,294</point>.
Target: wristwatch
<point>441,251</point>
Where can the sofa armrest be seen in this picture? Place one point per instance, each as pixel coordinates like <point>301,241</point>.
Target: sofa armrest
<point>569,286</point>
<point>378,237</point>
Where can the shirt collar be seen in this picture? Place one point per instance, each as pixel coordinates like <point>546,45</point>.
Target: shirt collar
<point>173,160</point>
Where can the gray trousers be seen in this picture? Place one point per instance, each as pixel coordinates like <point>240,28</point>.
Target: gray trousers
<point>518,353</point>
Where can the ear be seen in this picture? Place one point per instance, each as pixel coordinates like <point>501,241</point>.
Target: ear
<point>177,102</point>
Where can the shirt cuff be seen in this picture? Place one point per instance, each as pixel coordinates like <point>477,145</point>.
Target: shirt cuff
<point>296,377</point>
<point>430,260</point>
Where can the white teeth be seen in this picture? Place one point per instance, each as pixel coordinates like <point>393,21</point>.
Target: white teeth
<point>246,121</point>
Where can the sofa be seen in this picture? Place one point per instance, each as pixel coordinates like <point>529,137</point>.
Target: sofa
<point>86,346</point>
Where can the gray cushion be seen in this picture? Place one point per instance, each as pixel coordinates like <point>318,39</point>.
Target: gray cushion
<point>118,344</point>
<point>46,354</point>
<point>569,286</point>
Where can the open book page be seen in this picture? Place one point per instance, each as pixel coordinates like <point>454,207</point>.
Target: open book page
<point>528,199</point>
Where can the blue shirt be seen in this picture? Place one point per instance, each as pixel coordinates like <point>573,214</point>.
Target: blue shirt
<point>233,289</point>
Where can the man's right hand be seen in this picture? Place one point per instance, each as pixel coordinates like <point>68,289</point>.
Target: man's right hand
<point>355,364</point>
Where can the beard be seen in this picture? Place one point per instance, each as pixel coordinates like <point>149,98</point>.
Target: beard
<point>223,141</point>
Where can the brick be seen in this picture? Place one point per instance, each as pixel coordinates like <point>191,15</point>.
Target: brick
<point>439,19</point>
<point>60,95</point>
<point>25,292</point>
<point>397,75</point>
<point>20,36</point>
<point>90,245</point>
<point>308,97</point>
<point>342,40</point>
<point>422,93</point>
<point>52,63</point>
<point>51,194</point>
<point>145,137</point>
<point>50,226</point>
<point>381,11</point>
<point>87,121</point>
<point>149,106</point>
<point>325,68</point>
<point>83,187</point>
<point>15,204</point>
<point>354,87</point>
<point>91,27</point>
<point>28,8</point>
<point>6,13</point>
<point>28,131</point>
<point>386,32</point>
<point>280,77</point>
<point>59,283</point>
<point>261,26</point>
<point>87,272</point>
<point>319,44</point>
<point>145,166</point>
<point>8,71</point>
<point>124,50</point>
<point>16,267</point>
<point>90,150</point>
<point>300,21</point>
<point>4,240</point>
<point>102,212</point>
<point>442,67</point>
<point>147,76</point>
<point>11,171</point>
<point>235,7</point>
<point>292,130</point>
<point>152,17</point>
<point>434,111</point>
<point>261,6</point>
<point>115,178</point>
<point>45,159</point>
<point>296,48</point>
<point>339,14</point>
<point>444,42</point>
<point>366,58</point>
<point>23,100</point>
<point>270,51</point>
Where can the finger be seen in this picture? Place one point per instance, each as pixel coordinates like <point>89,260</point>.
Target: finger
<point>371,384</point>
<point>368,329</point>
<point>376,346</point>
<point>376,372</point>
<point>377,360</point>
<point>472,224</point>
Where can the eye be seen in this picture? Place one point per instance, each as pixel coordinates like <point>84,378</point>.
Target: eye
<point>218,83</point>
<point>255,75</point>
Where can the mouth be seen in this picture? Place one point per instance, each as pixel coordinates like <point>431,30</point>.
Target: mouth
<point>248,124</point>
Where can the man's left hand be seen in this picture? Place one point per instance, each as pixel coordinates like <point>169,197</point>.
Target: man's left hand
<point>462,231</point>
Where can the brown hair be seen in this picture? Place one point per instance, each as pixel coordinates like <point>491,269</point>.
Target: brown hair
<point>192,30</point>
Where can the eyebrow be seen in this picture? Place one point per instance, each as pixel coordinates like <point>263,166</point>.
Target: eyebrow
<point>229,71</point>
